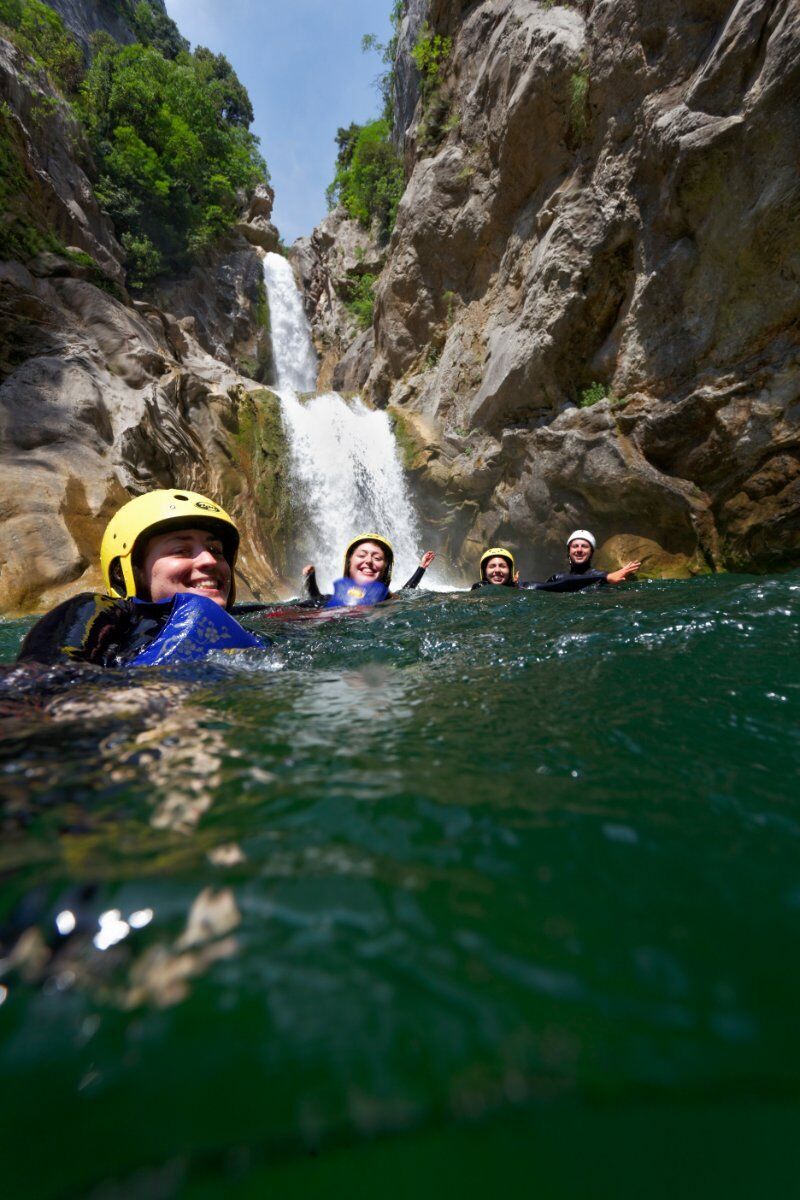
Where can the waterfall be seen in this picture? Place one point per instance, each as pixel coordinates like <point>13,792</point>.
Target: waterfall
<point>346,474</point>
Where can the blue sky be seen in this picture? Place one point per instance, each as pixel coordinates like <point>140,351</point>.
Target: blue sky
<point>302,64</point>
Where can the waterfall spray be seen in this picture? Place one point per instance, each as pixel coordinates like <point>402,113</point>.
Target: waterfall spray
<point>346,474</point>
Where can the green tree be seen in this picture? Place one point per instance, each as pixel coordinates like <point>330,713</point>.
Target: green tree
<point>369,177</point>
<point>172,149</point>
<point>41,33</point>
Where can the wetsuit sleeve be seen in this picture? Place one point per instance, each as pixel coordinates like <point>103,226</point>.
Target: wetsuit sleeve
<point>566,582</point>
<point>89,628</point>
<point>310,586</point>
<point>415,579</point>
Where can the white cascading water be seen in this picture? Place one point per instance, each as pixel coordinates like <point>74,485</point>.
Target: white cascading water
<point>346,475</point>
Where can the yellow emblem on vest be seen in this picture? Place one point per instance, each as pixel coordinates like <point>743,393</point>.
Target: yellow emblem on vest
<point>356,593</point>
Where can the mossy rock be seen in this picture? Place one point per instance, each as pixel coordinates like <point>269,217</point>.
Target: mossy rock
<point>260,446</point>
<point>657,563</point>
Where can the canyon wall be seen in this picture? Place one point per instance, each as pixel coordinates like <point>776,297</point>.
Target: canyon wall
<point>589,310</point>
<point>103,396</point>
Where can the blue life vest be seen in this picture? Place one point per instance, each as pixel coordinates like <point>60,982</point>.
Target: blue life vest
<point>347,593</point>
<point>196,626</point>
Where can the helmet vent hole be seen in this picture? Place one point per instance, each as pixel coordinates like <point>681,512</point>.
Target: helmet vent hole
<point>178,496</point>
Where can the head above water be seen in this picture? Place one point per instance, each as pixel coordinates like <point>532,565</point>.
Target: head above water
<point>369,557</point>
<point>142,556</point>
<point>498,567</point>
<point>581,546</point>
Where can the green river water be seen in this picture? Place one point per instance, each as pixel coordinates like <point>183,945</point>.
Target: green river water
<point>480,892</point>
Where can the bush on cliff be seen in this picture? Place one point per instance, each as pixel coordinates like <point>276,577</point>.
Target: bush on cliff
<point>369,178</point>
<point>168,129</point>
<point>41,33</point>
<point>172,146</point>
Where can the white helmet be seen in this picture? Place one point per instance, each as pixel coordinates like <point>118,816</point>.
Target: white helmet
<point>584,535</point>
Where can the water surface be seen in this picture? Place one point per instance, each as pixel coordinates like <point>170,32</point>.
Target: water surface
<point>470,880</point>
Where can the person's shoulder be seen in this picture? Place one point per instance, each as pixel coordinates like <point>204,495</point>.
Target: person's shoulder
<point>68,631</point>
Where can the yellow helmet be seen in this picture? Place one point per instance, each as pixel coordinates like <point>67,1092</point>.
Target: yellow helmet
<point>498,552</point>
<point>381,541</point>
<point>153,513</point>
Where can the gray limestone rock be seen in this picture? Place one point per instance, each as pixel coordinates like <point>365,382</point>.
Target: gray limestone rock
<point>612,201</point>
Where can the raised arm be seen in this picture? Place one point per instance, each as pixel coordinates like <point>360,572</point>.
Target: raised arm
<point>424,563</point>
<point>624,573</point>
<point>310,585</point>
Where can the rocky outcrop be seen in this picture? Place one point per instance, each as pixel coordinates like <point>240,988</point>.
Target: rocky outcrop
<point>405,77</point>
<point>42,151</point>
<point>334,265</point>
<point>610,209</point>
<point>100,401</point>
<point>223,304</point>
<point>98,16</point>
<point>255,225</point>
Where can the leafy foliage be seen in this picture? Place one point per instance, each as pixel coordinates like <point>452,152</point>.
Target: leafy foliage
<point>154,28</point>
<point>431,52</point>
<point>595,392</point>
<point>21,234</point>
<point>169,130</point>
<point>362,302</point>
<point>41,33</point>
<point>369,177</point>
<point>171,141</point>
<point>578,97</point>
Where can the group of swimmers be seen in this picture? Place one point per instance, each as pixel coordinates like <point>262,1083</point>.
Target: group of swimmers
<point>168,560</point>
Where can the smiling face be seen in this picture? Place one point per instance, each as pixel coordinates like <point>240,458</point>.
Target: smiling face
<point>367,563</point>
<point>580,551</point>
<point>186,560</point>
<point>497,570</point>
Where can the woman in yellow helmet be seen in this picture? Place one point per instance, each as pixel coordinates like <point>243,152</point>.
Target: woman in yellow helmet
<point>168,561</point>
<point>498,569</point>
<point>368,562</point>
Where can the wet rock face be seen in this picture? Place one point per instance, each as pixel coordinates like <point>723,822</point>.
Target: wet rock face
<point>99,401</point>
<point>612,200</point>
<point>330,265</point>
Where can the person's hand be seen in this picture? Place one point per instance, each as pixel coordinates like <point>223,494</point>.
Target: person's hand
<point>308,569</point>
<point>623,573</point>
<point>516,579</point>
<point>427,559</point>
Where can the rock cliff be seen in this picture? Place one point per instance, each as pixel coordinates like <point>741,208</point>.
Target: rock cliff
<point>331,265</point>
<point>101,396</point>
<point>589,310</point>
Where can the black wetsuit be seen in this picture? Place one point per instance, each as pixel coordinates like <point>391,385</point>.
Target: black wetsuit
<point>318,599</point>
<point>567,581</point>
<point>105,631</point>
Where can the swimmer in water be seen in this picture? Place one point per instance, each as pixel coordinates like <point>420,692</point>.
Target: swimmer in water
<point>580,574</point>
<point>368,562</point>
<point>498,569</point>
<point>168,561</point>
